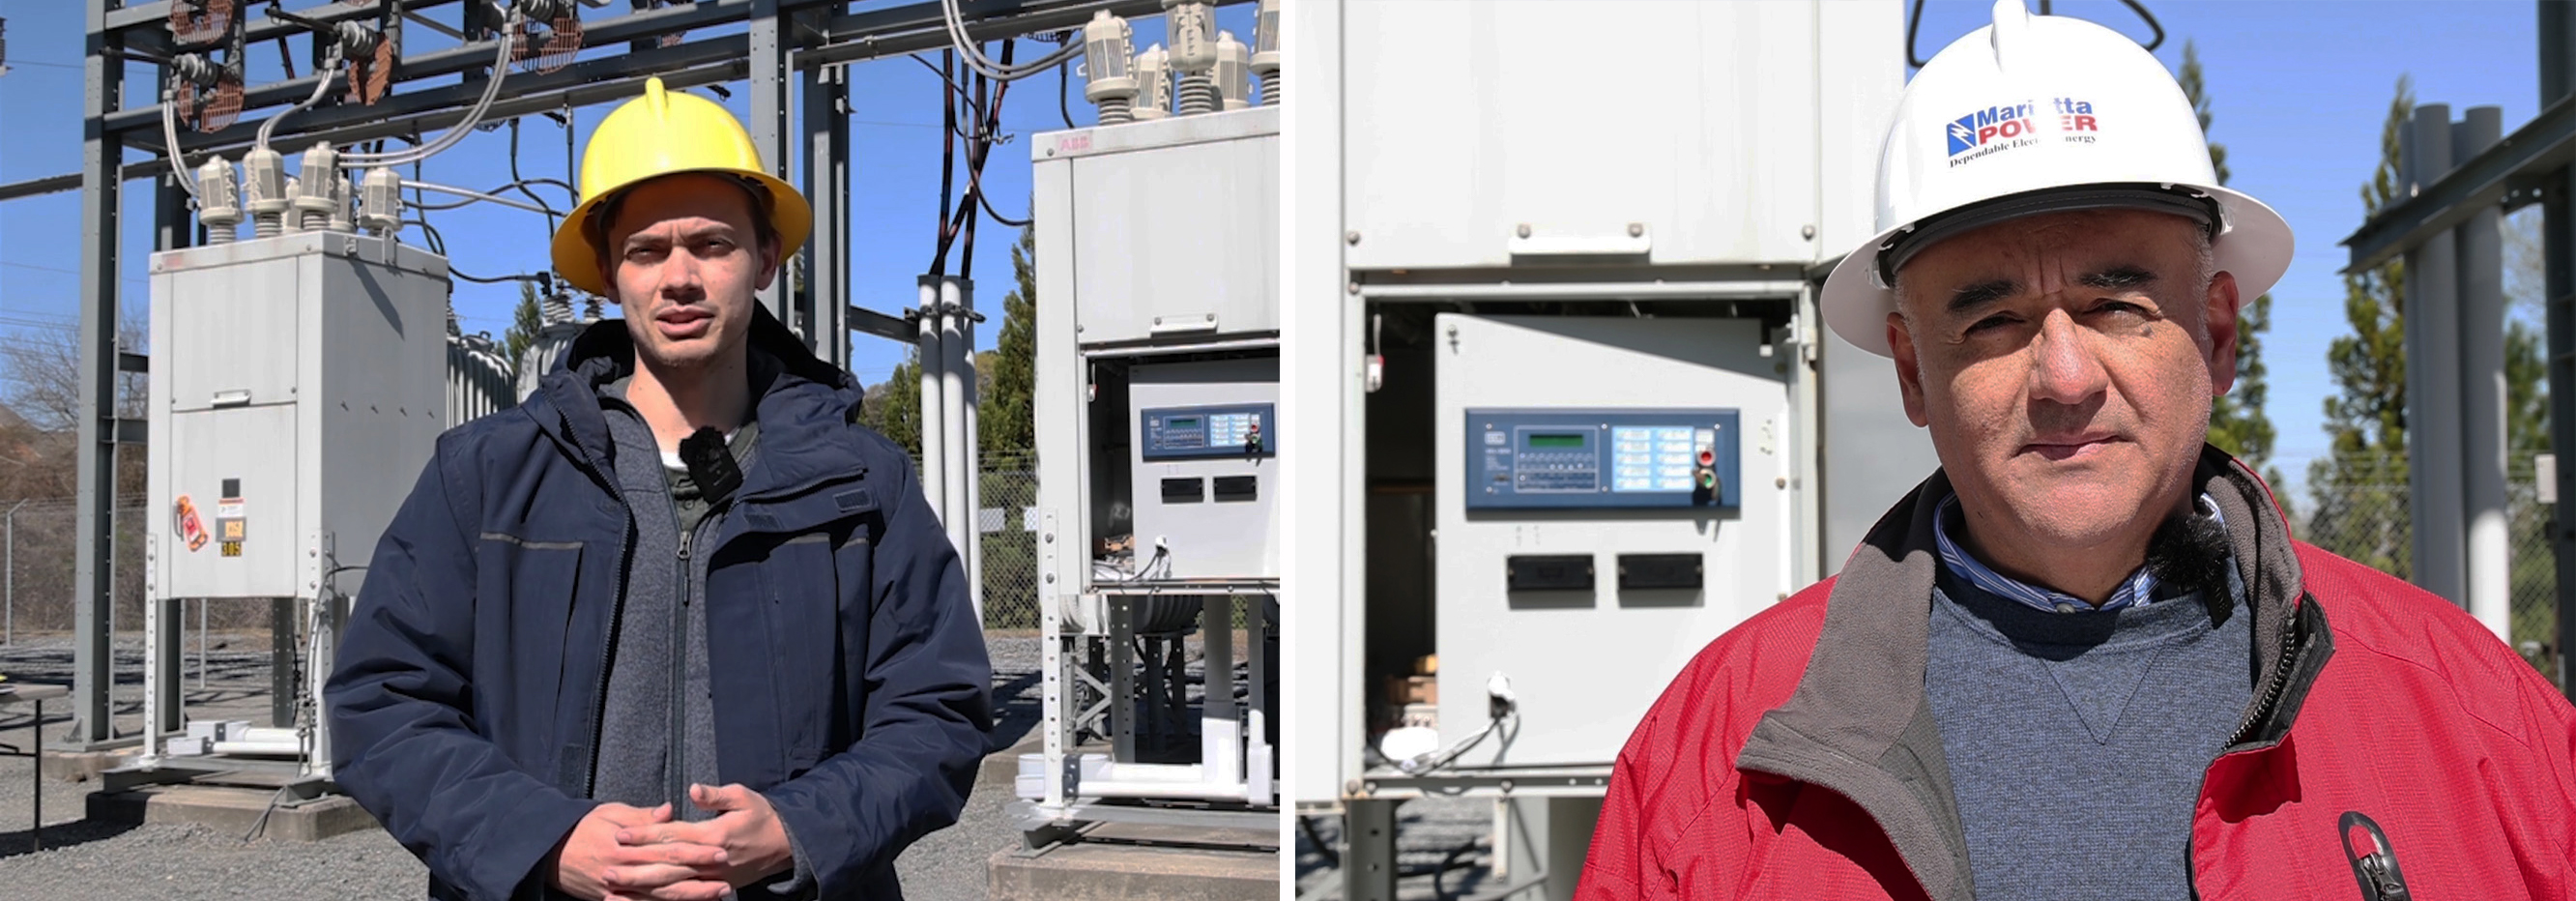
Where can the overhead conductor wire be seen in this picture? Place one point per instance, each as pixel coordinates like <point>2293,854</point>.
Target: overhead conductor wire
<point>465,126</point>
<point>1003,71</point>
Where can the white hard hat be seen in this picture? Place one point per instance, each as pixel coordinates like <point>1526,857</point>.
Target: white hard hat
<point>2037,114</point>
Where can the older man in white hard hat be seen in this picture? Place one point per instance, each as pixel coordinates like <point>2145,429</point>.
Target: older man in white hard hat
<point>2085,659</point>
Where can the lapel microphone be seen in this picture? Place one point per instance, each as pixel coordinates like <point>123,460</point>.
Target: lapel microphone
<point>710,465</point>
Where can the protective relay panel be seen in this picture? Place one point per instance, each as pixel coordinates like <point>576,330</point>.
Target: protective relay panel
<point>1602,458</point>
<point>1195,433</point>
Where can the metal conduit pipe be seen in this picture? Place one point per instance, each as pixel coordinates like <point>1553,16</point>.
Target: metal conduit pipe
<point>970,506</point>
<point>2433,375</point>
<point>2483,450</point>
<point>955,376</point>
<point>932,358</point>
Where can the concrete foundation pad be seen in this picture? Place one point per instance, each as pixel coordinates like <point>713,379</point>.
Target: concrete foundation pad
<point>233,810</point>
<point>1109,871</point>
<point>84,766</point>
<point>1002,767</point>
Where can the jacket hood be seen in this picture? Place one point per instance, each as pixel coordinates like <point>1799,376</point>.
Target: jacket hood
<point>804,405</point>
<point>1858,722</point>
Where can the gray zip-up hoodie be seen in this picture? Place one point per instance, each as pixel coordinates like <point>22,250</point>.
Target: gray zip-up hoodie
<point>659,708</point>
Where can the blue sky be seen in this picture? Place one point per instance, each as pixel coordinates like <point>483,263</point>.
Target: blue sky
<point>894,163</point>
<point>2299,89</point>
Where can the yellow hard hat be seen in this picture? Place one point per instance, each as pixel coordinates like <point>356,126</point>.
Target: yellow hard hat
<point>667,133</point>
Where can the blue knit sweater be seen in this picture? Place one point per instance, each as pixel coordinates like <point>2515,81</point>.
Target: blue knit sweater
<point>2076,742</point>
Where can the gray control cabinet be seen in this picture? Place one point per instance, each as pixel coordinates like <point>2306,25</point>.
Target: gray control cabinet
<point>297,391</point>
<point>1172,226</point>
<point>1590,607</point>
<point>1206,468</point>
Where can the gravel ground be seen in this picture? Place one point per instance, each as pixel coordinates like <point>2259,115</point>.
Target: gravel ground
<point>1427,832</point>
<point>95,860</point>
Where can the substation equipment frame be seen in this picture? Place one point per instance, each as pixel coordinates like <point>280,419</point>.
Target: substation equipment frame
<point>2461,178</point>
<point>788,51</point>
<point>1560,408</point>
<point>1159,483</point>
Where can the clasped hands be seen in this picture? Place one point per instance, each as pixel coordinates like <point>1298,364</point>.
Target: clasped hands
<point>620,852</point>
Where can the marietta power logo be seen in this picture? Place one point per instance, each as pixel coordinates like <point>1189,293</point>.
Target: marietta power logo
<point>1998,128</point>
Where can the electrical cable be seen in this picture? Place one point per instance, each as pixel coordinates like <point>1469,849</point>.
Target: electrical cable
<point>998,217</point>
<point>1426,763</point>
<point>537,207</point>
<point>437,243</point>
<point>1332,858</point>
<point>465,126</point>
<point>1004,71</point>
<point>1913,24</point>
<point>552,182</point>
<point>990,111</point>
<point>966,207</point>
<point>521,182</point>
<point>502,280</point>
<point>1063,74</point>
<point>170,143</point>
<point>2152,24</point>
<point>1440,874</point>
<point>330,73</point>
<point>978,135</point>
<point>947,160</point>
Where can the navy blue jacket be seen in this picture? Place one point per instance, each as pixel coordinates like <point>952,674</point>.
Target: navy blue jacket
<point>849,673</point>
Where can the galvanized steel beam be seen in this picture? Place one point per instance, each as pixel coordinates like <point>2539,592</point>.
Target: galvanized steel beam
<point>2511,170</point>
<point>94,557</point>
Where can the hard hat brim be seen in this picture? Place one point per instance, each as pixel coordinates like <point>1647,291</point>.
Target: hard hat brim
<point>2255,246</point>
<point>579,264</point>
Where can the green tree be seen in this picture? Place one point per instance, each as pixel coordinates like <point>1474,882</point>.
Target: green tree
<point>893,406</point>
<point>1006,427</point>
<point>525,323</point>
<point>2526,390</point>
<point>2237,422</point>
<point>1005,420</point>
<point>2360,486</point>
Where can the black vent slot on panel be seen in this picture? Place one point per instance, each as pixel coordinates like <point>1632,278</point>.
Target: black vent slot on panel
<point>1548,572</point>
<point>1652,571</point>
<point>1233,489</point>
<point>1184,491</point>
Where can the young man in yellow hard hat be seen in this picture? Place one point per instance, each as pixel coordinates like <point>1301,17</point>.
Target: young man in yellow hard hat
<point>2085,659</point>
<point>676,627</point>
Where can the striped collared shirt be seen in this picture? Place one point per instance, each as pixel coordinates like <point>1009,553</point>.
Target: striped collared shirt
<point>2139,588</point>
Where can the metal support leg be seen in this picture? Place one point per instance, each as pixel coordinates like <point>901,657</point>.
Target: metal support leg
<point>94,555</point>
<point>161,658</point>
<point>281,669</point>
<point>37,748</point>
<point>1368,850</point>
<point>1157,698</point>
<point>1546,840</point>
<point>768,78</point>
<point>1259,653</point>
<point>1220,734</point>
<point>1122,679</point>
<point>823,308</point>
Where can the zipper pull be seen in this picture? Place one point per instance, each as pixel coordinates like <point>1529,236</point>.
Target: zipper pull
<point>2374,863</point>
<point>684,544</point>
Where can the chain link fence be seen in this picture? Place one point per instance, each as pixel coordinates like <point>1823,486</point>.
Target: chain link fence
<point>39,544</point>
<point>2360,508</point>
<point>39,541</point>
<point>1010,490</point>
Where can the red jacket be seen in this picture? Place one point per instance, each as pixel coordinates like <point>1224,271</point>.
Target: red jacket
<point>1794,757</point>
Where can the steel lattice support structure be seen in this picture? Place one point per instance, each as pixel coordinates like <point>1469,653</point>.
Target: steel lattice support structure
<point>803,39</point>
